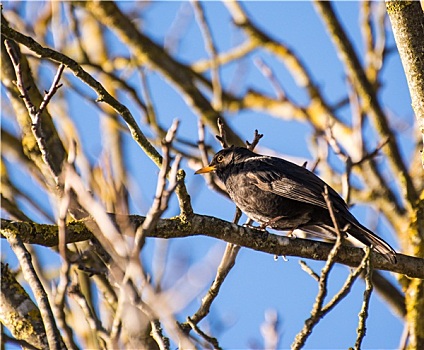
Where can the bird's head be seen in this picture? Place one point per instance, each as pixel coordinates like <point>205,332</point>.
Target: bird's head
<point>224,158</point>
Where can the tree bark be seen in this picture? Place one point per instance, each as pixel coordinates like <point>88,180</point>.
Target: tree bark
<point>407,19</point>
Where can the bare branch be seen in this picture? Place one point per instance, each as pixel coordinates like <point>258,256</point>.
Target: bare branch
<point>158,336</point>
<point>160,203</point>
<point>213,341</point>
<point>222,137</point>
<point>53,336</point>
<point>407,23</point>
<point>256,138</point>
<point>213,227</point>
<point>210,178</point>
<point>308,270</point>
<point>269,330</point>
<point>269,74</point>
<point>35,114</point>
<point>345,289</point>
<point>18,308</point>
<point>367,93</point>
<point>363,314</point>
<point>317,313</point>
<point>210,47</point>
<point>91,317</point>
<point>103,95</point>
<point>224,268</point>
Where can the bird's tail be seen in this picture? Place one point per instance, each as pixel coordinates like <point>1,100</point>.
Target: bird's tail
<point>364,235</point>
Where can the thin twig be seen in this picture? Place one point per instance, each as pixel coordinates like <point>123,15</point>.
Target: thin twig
<point>157,334</point>
<point>345,289</point>
<point>34,113</point>
<point>363,314</point>
<point>367,92</point>
<point>160,203</point>
<point>371,154</point>
<point>305,267</point>
<point>233,54</point>
<point>368,38</point>
<point>316,312</point>
<point>80,73</point>
<point>48,96</point>
<point>256,138</point>
<point>116,326</point>
<point>374,40</point>
<point>225,266</point>
<point>184,199</point>
<point>213,341</point>
<point>150,109</point>
<point>58,306</point>
<point>61,289</point>
<point>210,47</point>
<point>403,342</point>
<point>222,137</point>
<point>210,178</point>
<point>345,157</point>
<point>92,319</point>
<point>229,258</point>
<point>269,330</point>
<point>269,74</point>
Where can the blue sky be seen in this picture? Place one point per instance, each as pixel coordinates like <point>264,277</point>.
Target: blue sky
<point>258,282</point>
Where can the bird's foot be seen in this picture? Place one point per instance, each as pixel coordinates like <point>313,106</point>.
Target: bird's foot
<point>257,228</point>
<point>261,231</point>
<point>291,234</point>
<point>271,222</point>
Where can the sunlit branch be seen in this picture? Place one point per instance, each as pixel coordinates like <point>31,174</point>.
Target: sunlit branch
<point>363,314</point>
<point>103,95</point>
<point>368,95</point>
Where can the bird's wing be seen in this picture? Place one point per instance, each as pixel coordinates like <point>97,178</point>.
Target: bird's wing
<point>291,181</point>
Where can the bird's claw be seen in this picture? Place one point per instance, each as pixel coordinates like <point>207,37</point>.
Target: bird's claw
<point>257,228</point>
<point>291,234</point>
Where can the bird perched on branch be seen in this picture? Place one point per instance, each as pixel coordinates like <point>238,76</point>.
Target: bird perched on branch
<point>284,196</point>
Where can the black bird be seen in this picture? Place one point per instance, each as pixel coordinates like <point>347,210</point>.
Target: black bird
<point>284,196</point>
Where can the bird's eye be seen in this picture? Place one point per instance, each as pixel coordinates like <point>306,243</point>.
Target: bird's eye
<point>219,159</point>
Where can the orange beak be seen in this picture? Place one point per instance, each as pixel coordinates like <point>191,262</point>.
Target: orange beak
<point>206,169</point>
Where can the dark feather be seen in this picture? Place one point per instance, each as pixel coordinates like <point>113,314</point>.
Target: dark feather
<point>283,195</point>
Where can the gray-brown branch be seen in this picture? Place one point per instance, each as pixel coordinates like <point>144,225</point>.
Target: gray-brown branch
<point>203,225</point>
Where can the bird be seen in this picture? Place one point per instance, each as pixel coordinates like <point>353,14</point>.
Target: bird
<point>282,195</point>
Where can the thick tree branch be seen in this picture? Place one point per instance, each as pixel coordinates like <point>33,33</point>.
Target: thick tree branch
<point>54,338</point>
<point>203,225</point>
<point>407,19</point>
<point>19,313</point>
